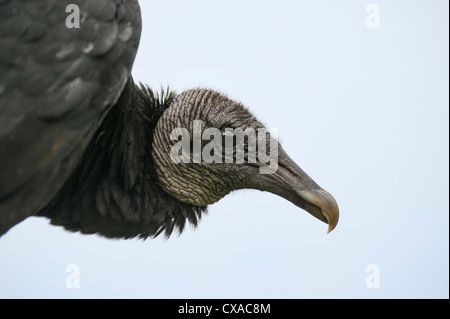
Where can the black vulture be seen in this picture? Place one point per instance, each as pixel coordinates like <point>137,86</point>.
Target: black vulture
<point>86,147</point>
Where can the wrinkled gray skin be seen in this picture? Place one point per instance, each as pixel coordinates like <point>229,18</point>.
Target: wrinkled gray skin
<point>203,183</point>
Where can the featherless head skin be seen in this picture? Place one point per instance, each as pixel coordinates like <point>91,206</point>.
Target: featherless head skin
<point>200,182</point>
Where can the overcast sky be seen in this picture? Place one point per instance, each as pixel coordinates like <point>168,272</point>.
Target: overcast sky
<point>360,101</point>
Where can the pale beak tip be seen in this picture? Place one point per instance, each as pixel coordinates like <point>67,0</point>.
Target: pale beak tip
<point>332,220</point>
<point>325,204</point>
<point>330,228</point>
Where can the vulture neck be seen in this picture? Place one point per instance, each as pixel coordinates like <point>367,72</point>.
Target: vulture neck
<point>114,191</point>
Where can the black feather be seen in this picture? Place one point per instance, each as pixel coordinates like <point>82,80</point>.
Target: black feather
<point>114,190</point>
<point>56,86</point>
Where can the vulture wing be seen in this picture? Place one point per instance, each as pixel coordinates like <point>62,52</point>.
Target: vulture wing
<point>63,65</point>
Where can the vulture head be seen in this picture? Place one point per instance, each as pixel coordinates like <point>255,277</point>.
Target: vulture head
<point>206,146</point>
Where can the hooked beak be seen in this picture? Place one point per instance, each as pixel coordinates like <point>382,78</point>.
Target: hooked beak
<point>320,204</point>
<point>292,183</point>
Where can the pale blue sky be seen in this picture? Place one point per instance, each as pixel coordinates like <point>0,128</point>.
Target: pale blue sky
<point>363,111</point>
